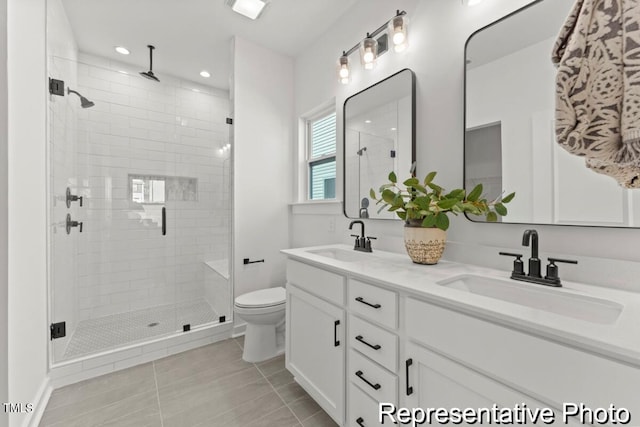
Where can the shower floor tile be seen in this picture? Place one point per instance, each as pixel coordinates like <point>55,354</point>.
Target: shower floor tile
<point>104,333</point>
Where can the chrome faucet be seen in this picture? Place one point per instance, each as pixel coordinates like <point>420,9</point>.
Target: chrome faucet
<point>534,276</point>
<point>362,243</point>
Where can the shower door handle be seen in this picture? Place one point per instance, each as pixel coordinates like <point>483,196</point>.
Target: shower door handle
<point>164,221</point>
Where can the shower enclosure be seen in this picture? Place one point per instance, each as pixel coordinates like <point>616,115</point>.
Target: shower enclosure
<point>140,203</point>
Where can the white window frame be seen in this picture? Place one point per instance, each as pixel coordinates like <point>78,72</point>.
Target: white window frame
<point>304,191</point>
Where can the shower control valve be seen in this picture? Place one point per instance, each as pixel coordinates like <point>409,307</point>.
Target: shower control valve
<point>71,224</point>
<point>72,198</point>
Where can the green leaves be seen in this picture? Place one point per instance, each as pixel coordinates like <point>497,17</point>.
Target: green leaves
<point>475,193</point>
<point>428,202</point>
<point>442,221</point>
<point>447,204</point>
<point>508,198</point>
<point>500,209</point>
<point>429,177</point>
<point>429,221</point>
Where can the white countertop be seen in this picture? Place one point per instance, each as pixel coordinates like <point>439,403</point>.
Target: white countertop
<point>619,340</point>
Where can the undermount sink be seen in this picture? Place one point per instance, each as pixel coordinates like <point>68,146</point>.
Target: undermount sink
<point>341,254</point>
<point>582,307</point>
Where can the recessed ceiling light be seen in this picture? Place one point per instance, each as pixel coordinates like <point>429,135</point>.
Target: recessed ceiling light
<point>122,50</point>
<point>249,8</point>
<point>394,128</point>
<point>367,121</point>
<point>205,74</point>
<point>471,2</point>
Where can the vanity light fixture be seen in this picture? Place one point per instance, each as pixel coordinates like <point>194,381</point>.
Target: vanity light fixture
<point>122,50</point>
<point>375,44</point>
<point>250,8</point>
<point>368,52</point>
<point>344,73</point>
<point>398,31</point>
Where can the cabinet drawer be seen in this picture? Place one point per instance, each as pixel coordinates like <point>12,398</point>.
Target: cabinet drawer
<point>372,378</point>
<point>322,283</point>
<point>531,364</point>
<point>363,410</point>
<point>372,302</point>
<point>374,342</point>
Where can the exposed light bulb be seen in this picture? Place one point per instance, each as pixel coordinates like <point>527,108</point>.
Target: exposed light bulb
<point>368,56</point>
<point>368,52</point>
<point>343,69</point>
<point>398,37</point>
<point>397,30</point>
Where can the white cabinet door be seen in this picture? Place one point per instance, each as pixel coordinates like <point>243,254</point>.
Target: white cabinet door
<point>316,349</point>
<point>433,381</point>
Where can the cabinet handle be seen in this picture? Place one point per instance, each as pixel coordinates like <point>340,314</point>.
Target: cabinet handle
<point>360,299</point>
<point>360,422</point>
<point>164,221</point>
<point>336,343</point>
<point>376,386</point>
<point>408,363</point>
<point>375,347</point>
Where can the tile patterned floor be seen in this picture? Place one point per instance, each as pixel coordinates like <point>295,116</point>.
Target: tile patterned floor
<point>210,386</point>
<point>104,333</point>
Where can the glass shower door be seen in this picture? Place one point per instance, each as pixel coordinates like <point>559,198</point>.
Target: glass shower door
<point>113,271</point>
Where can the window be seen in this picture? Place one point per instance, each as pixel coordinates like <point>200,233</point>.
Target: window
<point>321,159</point>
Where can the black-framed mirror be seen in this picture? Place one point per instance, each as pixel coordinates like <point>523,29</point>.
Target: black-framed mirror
<point>379,137</point>
<point>510,143</point>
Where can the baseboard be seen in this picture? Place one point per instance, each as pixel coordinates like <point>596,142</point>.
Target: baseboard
<point>40,403</point>
<point>238,330</point>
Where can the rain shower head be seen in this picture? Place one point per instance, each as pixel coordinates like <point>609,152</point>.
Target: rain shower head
<point>149,74</point>
<point>84,102</point>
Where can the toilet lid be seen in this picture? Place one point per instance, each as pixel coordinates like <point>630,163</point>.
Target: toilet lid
<point>262,298</point>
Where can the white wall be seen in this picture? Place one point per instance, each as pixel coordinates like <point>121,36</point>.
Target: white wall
<point>4,283</point>
<point>27,91</point>
<point>262,96</point>
<point>439,29</point>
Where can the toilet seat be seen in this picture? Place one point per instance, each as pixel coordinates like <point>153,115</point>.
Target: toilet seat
<point>263,298</point>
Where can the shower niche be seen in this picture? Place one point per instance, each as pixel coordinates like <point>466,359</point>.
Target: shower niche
<point>151,161</point>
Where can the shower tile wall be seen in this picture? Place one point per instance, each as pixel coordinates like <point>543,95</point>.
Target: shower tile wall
<point>141,127</point>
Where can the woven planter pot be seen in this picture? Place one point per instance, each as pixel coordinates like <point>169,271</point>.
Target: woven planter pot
<point>424,245</point>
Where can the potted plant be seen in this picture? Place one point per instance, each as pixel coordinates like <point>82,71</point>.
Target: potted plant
<point>425,206</point>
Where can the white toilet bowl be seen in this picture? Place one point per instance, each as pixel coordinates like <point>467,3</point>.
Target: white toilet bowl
<point>264,312</point>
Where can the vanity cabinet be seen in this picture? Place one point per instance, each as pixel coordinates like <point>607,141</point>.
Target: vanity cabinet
<point>355,341</point>
<point>315,338</point>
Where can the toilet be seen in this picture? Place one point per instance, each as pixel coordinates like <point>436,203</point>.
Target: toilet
<point>264,312</point>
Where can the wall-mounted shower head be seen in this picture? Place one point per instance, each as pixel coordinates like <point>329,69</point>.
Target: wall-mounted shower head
<point>362,150</point>
<point>84,102</point>
<point>149,74</point>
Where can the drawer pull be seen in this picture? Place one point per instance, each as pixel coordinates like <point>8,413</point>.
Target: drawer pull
<point>376,386</point>
<point>375,347</point>
<point>360,422</point>
<point>360,299</point>
<point>408,363</point>
<point>336,342</point>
